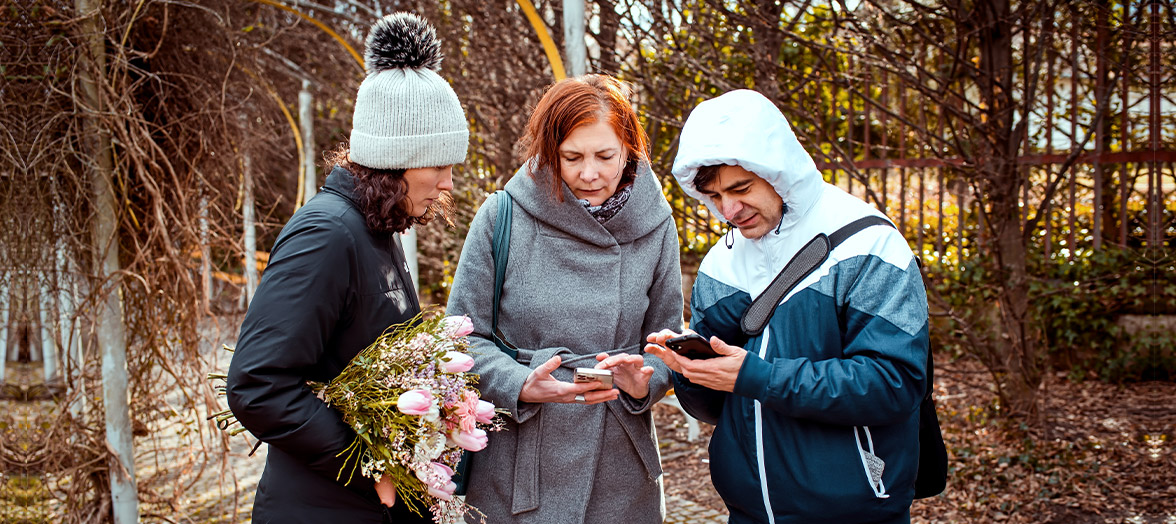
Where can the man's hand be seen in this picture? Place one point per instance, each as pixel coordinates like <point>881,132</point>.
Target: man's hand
<point>386,490</point>
<point>657,348</point>
<point>630,373</point>
<point>540,386</point>
<point>719,373</point>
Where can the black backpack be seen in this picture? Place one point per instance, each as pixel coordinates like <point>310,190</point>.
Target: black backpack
<point>931,478</point>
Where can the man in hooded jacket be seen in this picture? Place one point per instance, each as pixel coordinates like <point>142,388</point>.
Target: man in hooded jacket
<point>817,419</point>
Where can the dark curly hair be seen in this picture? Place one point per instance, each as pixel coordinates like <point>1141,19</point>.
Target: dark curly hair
<point>380,194</point>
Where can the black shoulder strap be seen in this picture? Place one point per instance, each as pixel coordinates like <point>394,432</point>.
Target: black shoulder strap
<point>501,252</point>
<point>810,257</point>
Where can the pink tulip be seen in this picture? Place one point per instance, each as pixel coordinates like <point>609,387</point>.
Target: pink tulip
<point>485,412</point>
<point>457,362</point>
<point>444,492</point>
<point>415,402</point>
<point>459,326</point>
<point>441,475</point>
<point>470,441</point>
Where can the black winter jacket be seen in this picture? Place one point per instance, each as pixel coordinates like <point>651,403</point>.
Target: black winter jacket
<point>331,287</point>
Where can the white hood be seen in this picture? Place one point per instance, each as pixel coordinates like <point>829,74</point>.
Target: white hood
<point>744,128</point>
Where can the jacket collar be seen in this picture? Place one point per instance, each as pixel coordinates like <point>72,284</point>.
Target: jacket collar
<point>341,182</point>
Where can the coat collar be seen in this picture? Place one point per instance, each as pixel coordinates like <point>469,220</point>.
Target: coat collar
<point>645,211</point>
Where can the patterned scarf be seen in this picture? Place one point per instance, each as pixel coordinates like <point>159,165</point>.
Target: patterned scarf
<point>611,205</point>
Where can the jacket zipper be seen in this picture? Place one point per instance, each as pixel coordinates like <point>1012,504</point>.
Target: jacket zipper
<point>759,440</point>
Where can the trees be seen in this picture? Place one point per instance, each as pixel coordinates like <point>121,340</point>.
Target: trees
<point>1004,115</point>
<point>1009,138</point>
<point>988,73</point>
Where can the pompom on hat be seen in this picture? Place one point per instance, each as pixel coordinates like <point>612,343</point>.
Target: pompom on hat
<point>406,116</point>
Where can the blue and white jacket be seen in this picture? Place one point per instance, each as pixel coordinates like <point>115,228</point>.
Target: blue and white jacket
<point>823,423</point>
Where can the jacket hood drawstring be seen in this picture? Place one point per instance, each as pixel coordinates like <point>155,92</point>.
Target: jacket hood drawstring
<point>729,236</point>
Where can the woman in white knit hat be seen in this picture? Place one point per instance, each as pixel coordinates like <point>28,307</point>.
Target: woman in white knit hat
<point>337,278</point>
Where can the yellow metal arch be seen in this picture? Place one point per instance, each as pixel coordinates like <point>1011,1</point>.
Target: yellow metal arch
<point>320,25</point>
<point>557,67</point>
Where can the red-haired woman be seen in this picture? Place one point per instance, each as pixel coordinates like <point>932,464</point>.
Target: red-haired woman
<point>593,267</point>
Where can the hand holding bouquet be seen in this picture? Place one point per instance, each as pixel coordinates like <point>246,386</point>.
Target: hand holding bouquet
<point>412,402</point>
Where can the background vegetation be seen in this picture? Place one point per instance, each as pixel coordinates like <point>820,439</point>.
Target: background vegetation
<point>1026,148</point>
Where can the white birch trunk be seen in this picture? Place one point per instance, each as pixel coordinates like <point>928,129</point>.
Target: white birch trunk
<point>575,48</point>
<point>45,316</point>
<point>306,119</point>
<point>12,351</point>
<point>4,285</point>
<point>104,228</point>
<point>205,253</point>
<point>69,330</point>
<point>250,232</point>
<point>26,315</point>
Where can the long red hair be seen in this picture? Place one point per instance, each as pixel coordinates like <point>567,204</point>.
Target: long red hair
<point>574,102</point>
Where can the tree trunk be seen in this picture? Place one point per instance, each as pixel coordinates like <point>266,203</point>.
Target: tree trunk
<point>606,38</point>
<point>104,229</point>
<point>70,332</point>
<point>46,314</point>
<point>205,252</point>
<point>766,48</point>
<point>575,50</point>
<point>306,119</point>
<point>250,231</point>
<point>4,345</point>
<point>1019,342</point>
<point>1017,349</point>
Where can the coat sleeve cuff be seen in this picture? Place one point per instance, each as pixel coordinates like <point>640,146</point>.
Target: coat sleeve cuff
<point>753,378</point>
<point>513,384</point>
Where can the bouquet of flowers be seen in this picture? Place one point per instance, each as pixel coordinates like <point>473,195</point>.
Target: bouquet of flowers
<point>412,402</point>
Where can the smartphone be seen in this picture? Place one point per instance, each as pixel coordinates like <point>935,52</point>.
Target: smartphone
<point>604,376</point>
<point>691,346</point>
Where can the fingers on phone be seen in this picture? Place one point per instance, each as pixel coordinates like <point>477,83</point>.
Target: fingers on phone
<point>660,336</point>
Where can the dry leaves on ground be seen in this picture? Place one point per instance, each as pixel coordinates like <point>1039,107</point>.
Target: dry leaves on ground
<point>1098,453</point>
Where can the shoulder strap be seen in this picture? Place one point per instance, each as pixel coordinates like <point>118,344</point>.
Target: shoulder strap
<point>810,257</point>
<point>501,252</point>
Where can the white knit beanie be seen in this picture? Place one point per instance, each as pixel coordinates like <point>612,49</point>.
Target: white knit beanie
<point>406,115</point>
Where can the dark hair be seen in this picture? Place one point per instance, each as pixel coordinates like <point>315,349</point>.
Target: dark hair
<point>380,195</point>
<point>574,102</point>
<point>706,175</point>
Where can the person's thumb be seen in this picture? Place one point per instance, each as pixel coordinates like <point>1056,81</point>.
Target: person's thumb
<point>552,364</point>
<point>721,347</point>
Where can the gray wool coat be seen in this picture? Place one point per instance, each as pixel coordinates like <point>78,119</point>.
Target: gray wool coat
<point>573,288</point>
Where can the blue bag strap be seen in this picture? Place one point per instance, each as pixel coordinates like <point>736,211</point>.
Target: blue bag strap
<point>501,252</point>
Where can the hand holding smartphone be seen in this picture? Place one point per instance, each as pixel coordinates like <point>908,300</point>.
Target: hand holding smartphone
<point>692,346</point>
<point>604,376</point>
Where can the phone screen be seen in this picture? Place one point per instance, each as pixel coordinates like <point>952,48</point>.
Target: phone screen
<point>691,346</point>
